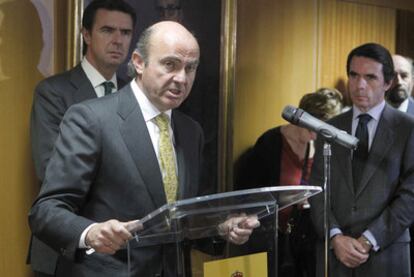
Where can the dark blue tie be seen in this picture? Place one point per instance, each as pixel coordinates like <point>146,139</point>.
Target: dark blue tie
<point>360,155</point>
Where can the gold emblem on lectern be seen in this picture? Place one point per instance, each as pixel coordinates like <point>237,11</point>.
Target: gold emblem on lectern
<point>237,274</point>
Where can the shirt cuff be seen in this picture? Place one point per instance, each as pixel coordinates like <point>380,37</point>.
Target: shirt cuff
<point>82,242</point>
<point>334,231</point>
<point>368,235</point>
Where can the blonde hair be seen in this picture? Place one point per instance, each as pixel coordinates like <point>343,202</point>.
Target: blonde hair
<point>323,104</point>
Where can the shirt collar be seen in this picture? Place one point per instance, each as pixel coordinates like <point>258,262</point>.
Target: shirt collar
<point>374,112</point>
<point>94,76</point>
<point>149,111</point>
<point>404,106</point>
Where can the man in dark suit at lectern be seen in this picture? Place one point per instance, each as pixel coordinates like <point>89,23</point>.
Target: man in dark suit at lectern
<point>107,28</point>
<point>120,157</point>
<point>372,187</point>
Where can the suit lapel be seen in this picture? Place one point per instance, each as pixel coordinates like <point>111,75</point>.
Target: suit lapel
<point>383,140</point>
<point>345,163</point>
<point>83,87</point>
<point>135,134</point>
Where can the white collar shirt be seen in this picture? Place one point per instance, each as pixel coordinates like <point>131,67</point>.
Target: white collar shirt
<point>96,78</point>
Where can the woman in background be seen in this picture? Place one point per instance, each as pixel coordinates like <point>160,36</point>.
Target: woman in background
<point>283,156</point>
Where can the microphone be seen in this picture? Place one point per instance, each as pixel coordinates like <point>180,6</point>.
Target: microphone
<point>301,118</point>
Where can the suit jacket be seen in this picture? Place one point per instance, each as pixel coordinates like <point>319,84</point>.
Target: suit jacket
<point>383,203</point>
<point>104,166</point>
<point>53,96</point>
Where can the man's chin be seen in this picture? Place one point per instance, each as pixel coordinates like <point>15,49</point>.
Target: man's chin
<point>397,96</point>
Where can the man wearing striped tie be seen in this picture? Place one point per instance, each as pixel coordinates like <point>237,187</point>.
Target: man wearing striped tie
<point>107,28</point>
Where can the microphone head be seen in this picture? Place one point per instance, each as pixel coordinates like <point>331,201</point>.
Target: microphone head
<point>292,114</point>
<point>288,113</point>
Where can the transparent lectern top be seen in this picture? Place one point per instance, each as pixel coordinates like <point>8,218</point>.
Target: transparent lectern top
<point>199,217</point>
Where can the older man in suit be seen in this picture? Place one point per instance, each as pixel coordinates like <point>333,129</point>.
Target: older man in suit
<point>372,188</point>
<point>399,96</point>
<point>107,31</point>
<point>109,169</point>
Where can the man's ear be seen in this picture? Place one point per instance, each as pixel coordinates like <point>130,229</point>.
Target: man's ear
<point>86,36</point>
<point>390,84</point>
<point>138,62</point>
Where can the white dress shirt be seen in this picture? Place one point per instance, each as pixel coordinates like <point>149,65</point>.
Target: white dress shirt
<point>96,78</point>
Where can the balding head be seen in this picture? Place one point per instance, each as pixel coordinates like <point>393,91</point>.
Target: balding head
<point>164,30</point>
<point>165,63</point>
<point>403,82</point>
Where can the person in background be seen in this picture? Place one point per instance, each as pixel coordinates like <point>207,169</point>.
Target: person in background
<point>118,158</point>
<point>371,187</point>
<point>107,27</point>
<point>399,96</point>
<point>283,156</point>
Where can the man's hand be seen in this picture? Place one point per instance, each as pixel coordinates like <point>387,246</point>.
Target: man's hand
<point>238,228</point>
<point>109,236</point>
<point>349,251</point>
<point>365,243</point>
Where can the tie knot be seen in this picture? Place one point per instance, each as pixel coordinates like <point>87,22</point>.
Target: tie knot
<point>108,86</point>
<point>364,118</point>
<point>162,121</point>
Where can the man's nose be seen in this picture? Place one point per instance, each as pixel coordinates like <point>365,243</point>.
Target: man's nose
<point>361,82</point>
<point>117,37</point>
<point>399,79</point>
<point>180,76</point>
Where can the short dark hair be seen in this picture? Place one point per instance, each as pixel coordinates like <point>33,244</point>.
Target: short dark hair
<point>379,54</point>
<point>111,5</point>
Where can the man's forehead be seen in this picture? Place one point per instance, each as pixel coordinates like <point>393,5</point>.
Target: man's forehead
<point>402,64</point>
<point>112,18</point>
<point>364,63</point>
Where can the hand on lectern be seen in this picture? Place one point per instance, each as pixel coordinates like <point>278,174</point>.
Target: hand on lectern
<point>238,228</point>
<point>110,236</point>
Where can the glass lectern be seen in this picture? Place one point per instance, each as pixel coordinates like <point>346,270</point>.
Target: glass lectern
<point>198,218</point>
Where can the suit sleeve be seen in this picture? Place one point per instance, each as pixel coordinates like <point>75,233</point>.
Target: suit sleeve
<point>47,112</point>
<point>53,217</point>
<point>399,214</point>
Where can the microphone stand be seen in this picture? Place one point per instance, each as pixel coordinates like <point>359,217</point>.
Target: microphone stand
<point>327,199</point>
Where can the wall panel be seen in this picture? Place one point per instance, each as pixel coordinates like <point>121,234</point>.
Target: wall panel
<point>275,64</point>
<point>344,26</point>
<point>25,43</point>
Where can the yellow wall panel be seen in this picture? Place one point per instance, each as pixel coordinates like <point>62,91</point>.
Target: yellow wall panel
<point>22,39</point>
<point>344,26</point>
<point>275,64</point>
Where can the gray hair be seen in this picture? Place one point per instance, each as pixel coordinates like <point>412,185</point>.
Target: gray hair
<point>142,48</point>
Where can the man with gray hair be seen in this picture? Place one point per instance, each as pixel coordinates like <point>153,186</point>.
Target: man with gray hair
<point>399,96</point>
<point>120,157</point>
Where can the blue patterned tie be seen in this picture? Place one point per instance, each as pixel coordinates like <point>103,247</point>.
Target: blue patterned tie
<point>167,160</point>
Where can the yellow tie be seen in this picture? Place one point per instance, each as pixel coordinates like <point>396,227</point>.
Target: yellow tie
<point>167,160</point>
